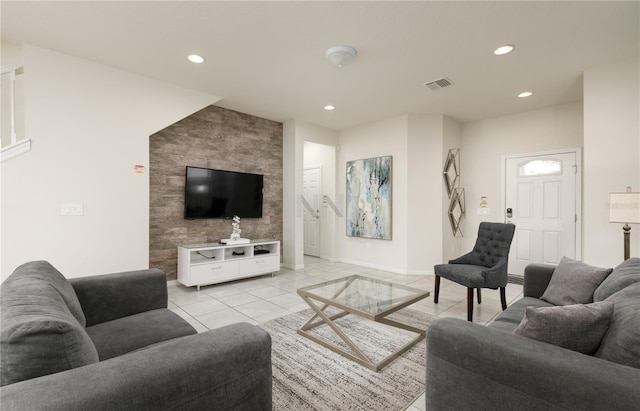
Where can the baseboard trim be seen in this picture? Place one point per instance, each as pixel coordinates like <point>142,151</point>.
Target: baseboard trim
<point>293,266</point>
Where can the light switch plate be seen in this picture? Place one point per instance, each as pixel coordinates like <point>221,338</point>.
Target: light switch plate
<point>483,211</point>
<point>72,209</point>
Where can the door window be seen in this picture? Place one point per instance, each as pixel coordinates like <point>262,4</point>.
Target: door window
<point>545,167</point>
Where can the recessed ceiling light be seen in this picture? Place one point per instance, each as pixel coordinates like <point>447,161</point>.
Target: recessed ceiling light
<point>525,94</point>
<point>329,107</point>
<point>194,58</point>
<point>506,49</point>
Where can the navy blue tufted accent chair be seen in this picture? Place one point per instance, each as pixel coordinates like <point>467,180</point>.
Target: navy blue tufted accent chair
<point>484,267</point>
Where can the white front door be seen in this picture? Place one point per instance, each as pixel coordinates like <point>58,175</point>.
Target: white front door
<point>311,217</point>
<point>540,199</point>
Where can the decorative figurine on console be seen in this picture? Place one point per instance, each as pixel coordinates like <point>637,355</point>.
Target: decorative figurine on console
<point>236,228</point>
<point>235,235</point>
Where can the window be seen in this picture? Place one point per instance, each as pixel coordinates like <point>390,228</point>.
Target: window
<point>546,167</point>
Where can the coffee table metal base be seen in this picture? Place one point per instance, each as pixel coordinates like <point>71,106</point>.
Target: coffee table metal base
<point>357,355</point>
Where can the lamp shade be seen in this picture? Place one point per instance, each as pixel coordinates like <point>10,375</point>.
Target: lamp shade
<point>624,208</point>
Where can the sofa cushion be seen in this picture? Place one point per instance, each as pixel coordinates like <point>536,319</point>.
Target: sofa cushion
<point>117,337</point>
<point>39,333</point>
<point>43,271</point>
<point>509,319</point>
<point>578,327</point>
<point>621,344</point>
<point>464,274</point>
<point>622,276</point>
<point>573,282</point>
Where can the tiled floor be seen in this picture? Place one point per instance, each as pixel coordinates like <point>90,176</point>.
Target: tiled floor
<point>258,300</point>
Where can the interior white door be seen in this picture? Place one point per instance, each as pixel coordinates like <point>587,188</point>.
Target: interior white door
<point>312,191</point>
<point>540,199</point>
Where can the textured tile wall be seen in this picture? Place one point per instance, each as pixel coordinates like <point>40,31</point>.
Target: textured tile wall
<point>215,138</point>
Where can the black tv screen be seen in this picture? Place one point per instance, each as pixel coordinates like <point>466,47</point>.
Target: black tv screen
<point>222,194</point>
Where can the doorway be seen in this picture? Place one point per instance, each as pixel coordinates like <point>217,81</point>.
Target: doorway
<point>311,191</point>
<point>542,197</point>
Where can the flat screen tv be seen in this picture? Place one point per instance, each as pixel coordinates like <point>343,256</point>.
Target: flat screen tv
<point>222,194</point>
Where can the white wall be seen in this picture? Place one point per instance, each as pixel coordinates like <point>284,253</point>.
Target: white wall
<point>383,138</point>
<point>485,142</point>
<point>323,156</point>
<point>424,193</point>
<point>416,142</point>
<point>292,228</point>
<point>89,126</point>
<point>611,156</point>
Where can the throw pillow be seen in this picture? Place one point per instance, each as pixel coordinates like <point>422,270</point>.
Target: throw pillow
<point>625,274</point>
<point>573,282</point>
<point>578,327</point>
<point>620,344</point>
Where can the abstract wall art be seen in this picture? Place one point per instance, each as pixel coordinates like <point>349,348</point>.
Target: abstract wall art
<point>369,198</point>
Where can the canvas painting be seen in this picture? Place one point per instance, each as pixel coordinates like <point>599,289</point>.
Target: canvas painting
<point>369,198</point>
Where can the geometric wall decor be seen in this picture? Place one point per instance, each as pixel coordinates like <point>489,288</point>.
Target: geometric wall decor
<point>457,211</point>
<point>451,174</point>
<point>368,200</point>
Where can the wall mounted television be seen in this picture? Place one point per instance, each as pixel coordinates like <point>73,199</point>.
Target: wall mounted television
<point>222,194</point>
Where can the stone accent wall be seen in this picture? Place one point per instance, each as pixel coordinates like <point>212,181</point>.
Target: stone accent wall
<point>214,138</point>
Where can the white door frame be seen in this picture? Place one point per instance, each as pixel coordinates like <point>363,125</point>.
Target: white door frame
<point>578,189</point>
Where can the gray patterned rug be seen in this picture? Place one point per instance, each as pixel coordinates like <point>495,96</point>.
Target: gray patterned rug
<point>308,376</point>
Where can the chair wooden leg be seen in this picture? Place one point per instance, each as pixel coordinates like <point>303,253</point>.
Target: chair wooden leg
<point>436,290</point>
<point>503,298</point>
<point>479,296</point>
<point>470,304</point>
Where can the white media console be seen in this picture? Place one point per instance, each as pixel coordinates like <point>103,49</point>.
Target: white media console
<point>213,263</point>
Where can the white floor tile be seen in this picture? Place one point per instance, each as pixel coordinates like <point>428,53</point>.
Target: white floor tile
<point>192,297</point>
<point>287,300</point>
<point>420,403</point>
<point>260,309</point>
<point>204,307</point>
<point>248,285</point>
<point>222,290</point>
<point>267,292</point>
<point>223,317</point>
<point>238,299</point>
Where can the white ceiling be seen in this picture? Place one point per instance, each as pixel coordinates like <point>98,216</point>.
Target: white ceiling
<point>267,58</point>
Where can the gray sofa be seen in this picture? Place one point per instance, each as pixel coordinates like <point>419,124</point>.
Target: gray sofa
<point>470,366</point>
<point>109,343</point>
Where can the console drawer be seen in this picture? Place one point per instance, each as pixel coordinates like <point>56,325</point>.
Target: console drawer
<point>212,273</point>
<point>260,264</point>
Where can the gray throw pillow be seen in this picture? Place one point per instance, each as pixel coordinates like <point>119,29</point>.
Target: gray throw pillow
<point>620,344</point>
<point>578,327</point>
<point>573,282</point>
<point>625,274</point>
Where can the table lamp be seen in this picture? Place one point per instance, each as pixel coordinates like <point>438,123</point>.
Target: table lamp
<point>625,208</point>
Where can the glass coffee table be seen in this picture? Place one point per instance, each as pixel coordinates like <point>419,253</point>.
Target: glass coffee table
<point>365,297</point>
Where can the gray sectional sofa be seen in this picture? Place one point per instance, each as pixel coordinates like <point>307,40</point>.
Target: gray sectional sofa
<point>109,343</point>
<point>474,367</point>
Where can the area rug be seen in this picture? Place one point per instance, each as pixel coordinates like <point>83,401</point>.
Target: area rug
<point>308,376</point>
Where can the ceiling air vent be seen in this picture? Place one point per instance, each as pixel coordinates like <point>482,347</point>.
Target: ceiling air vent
<point>439,83</point>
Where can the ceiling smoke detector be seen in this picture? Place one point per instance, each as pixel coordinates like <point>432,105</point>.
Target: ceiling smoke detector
<point>439,83</point>
<point>341,55</point>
